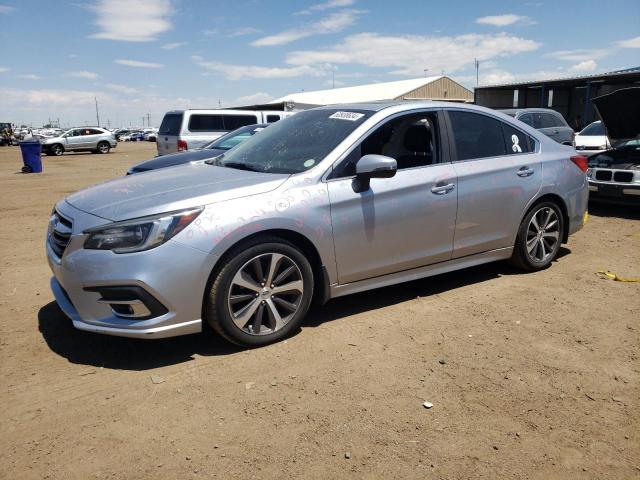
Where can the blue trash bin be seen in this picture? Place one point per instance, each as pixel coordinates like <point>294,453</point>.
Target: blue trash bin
<point>31,151</point>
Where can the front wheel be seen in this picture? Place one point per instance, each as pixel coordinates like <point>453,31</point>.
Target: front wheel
<point>539,237</point>
<point>261,293</point>
<point>56,149</point>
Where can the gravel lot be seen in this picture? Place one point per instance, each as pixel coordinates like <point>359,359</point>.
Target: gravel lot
<point>530,375</point>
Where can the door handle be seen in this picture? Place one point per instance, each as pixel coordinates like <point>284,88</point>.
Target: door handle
<point>442,189</point>
<point>525,172</point>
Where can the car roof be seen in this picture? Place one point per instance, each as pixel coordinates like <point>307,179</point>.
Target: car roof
<point>525,110</point>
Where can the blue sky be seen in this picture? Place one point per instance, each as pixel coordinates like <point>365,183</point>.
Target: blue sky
<point>149,56</point>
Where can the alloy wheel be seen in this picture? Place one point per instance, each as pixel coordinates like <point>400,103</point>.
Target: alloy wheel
<point>543,234</point>
<point>103,147</point>
<point>265,294</point>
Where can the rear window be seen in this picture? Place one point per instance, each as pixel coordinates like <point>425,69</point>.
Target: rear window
<point>547,120</point>
<point>171,124</point>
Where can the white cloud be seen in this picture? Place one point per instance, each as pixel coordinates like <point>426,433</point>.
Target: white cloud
<point>49,97</point>
<point>236,72</point>
<point>138,64</point>
<point>171,46</point>
<point>584,66</point>
<point>211,31</point>
<point>255,99</point>
<point>326,6</point>
<point>411,54</point>
<point>140,21</point>
<point>83,74</point>
<point>4,69</point>
<point>242,31</point>
<point>629,43</point>
<point>6,9</point>
<point>504,20</point>
<point>29,76</point>
<point>336,22</point>
<point>579,55</point>
<point>116,87</point>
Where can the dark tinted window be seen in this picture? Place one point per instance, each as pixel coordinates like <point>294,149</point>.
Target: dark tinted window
<point>412,140</point>
<point>93,131</point>
<point>272,118</point>
<point>206,123</point>
<point>171,124</point>
<point>297,143</point>
<point>516,141</point>
<point>527,118</point>
<point>476,135</point>
<point>231,122</point>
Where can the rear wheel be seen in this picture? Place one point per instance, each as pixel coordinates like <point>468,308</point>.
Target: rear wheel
<point>261,293</point>
<point>104,147</point>
<point>539,237</point>
<point>56,149</point>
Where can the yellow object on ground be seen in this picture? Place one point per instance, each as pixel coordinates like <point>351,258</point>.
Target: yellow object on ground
<point>585,218</point>
<point>615,277</point>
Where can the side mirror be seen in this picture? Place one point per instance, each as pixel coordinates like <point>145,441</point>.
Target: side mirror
<point>373,166</point>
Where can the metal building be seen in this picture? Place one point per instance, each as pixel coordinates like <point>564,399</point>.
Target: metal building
<point>426,88</point>
<point>569,96</point>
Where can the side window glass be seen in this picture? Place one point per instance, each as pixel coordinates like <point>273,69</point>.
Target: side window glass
<point>516,141</point>
<point>232,122</point>
<point>205,123</point>
<point>476,135</point>
<point>272,118</point>
<point>537,120</point>
<point>412,140</point>
<point>549,120</point>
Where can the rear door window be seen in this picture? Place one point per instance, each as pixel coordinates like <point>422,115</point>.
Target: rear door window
<point>526,118</point>
<point>171,124</point>
<point>272,118</point>
<point>476,135</point>
<point>231,122</point>
<point>516,141</point>
<point>205,123</point>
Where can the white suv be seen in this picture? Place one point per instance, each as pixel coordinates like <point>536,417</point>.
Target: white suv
<point>91,139</point>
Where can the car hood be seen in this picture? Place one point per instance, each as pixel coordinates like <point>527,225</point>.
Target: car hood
<point>175,159</point>
<point>620,114</point>
<point>175,188</point>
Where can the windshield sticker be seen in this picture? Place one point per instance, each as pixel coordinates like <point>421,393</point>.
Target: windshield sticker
<point>309,163</point>
<point>351,116</point>
<point>516,144</point>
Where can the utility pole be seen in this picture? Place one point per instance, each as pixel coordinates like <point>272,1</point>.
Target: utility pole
<point>425,72</point>
<point>148,120</point>
<point>477,64</point>
<point>97,113</point>
<point>143,121</point>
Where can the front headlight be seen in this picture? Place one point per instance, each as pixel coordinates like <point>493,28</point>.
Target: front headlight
<point>141,233</point>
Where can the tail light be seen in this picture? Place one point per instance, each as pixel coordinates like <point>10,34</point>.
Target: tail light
<point>581,162</point>
<point>182,146</point>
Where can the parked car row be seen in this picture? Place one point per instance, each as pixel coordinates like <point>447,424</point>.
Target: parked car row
<point>331,201</point>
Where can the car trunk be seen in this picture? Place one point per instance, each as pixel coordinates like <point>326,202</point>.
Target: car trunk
<point>168,134</point>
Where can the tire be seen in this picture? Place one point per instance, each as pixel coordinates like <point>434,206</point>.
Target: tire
<point>250,314</point>
<point>539,237</point>
<point>56,149</point>
<point>103,147</point>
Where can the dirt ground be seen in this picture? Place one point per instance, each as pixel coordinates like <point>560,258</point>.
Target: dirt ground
<point>530,375</point>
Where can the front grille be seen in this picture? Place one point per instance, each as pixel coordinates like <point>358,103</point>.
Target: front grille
<point>60,233</point>
<point>623,177</point>
<point>603,175</point>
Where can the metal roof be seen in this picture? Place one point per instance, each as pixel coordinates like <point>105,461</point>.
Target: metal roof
<point>582,78</point>
<point>360,93</point>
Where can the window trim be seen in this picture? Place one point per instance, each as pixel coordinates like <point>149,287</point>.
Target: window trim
<point>452,145</point>
<point>443,156</point>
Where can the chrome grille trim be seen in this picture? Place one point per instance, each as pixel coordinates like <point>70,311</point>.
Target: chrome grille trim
<point>60,229</point>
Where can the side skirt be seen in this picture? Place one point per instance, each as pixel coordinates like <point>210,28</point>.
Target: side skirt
<point>421,272</point>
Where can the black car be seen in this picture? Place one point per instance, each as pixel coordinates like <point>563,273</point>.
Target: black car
<point>614,175</point>
<point>211,150</point>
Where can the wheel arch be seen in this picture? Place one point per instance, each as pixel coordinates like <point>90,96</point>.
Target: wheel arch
<point>558,200</point>
<point>320,275</point>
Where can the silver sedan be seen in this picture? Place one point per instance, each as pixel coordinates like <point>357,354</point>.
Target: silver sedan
<point>328,202</point>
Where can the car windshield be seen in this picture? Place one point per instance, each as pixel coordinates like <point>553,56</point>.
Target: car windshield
<point>297,143</point>
<point>592,130</point>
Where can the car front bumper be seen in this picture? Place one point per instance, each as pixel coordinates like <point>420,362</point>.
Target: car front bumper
<point>611,192</point>
<point>170,280</point>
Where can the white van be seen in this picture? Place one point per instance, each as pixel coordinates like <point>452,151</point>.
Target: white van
<point>190,129</point>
